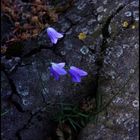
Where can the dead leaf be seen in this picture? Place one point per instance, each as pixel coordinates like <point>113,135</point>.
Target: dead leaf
<point>34,19</point>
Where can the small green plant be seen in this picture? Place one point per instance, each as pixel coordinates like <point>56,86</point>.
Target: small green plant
<point>72,116</point>
<point>2,114</point>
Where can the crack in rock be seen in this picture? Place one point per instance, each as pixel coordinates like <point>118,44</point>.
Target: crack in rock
<point>14,92</point>
<point>103,47</point>
<point>105,27</point>
<point>106,34</point>
<point>26,126</point>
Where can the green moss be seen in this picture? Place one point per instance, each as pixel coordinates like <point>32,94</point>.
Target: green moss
<point>97,33</point>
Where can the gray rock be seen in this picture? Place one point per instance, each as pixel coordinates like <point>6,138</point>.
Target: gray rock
<point>119,120</point>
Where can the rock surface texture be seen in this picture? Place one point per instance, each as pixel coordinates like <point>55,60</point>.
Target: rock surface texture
<point>118,83</point>
<point>109,54</point>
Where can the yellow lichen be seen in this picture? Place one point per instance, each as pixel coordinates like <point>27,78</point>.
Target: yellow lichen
<point>125,24</point>
<point>82,36</point>
<point>133,27</point>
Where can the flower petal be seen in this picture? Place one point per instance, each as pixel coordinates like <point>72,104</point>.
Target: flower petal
<point>55,75</point>
<point>54,40</point>
<point>61,64</point>
<point>79,71</point>
<point>52,37</point>
<point>75,77</point>
<point>59,35</point>
<point>50,29</point>
<point>58,69</point>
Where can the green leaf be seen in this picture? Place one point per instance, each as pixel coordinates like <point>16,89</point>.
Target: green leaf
<point>83,115</point>
<point>2,114</point>
<point>71,122</point>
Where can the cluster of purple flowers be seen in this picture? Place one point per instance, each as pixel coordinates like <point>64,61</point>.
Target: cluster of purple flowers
<point>57,69</point>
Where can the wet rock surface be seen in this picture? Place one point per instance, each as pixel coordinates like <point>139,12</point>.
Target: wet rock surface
<point>109,54</point>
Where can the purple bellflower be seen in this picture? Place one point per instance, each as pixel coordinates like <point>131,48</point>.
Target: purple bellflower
<point>53,35</point>
<point>77,74</point>
<point>57,69</point>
